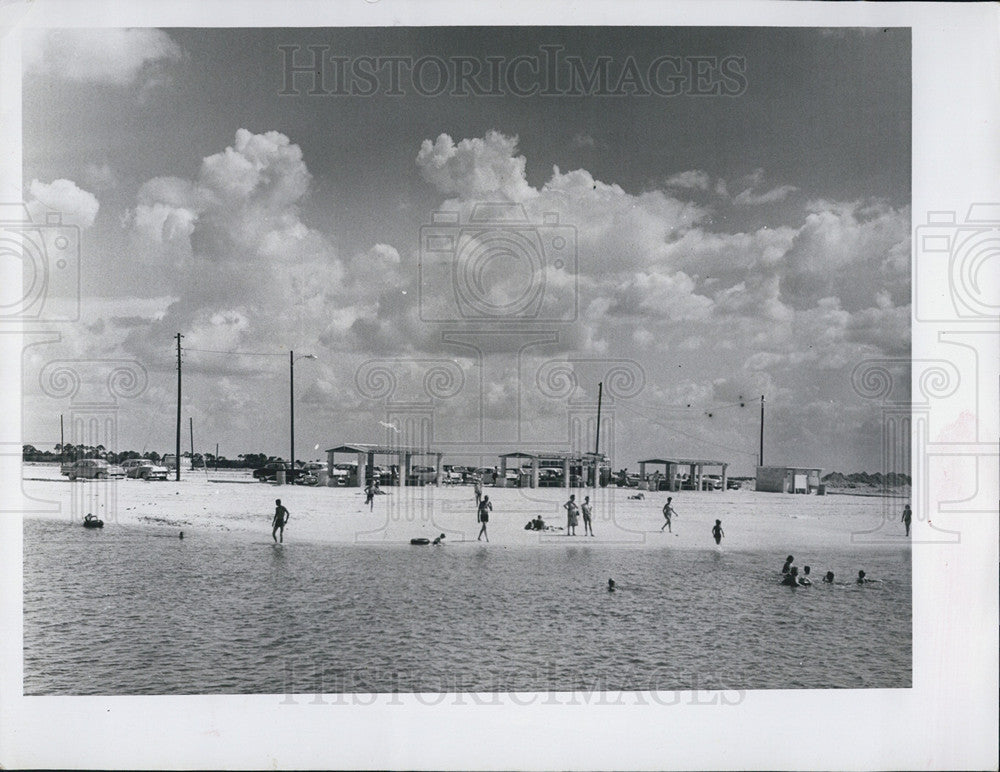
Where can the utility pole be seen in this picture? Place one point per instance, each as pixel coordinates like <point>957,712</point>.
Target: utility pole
<point>291,412</point>
<point>177,449</point>
<point>597,440</point>
<point>761,456</point>
<point>62,439</point>
<point>191,429</point>
<point>216,457</point>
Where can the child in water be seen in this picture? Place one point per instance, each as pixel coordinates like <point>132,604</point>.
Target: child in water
<point>829,577</point>
<point>717,532</point>
<point>804,580</point>
<point>791,579</point>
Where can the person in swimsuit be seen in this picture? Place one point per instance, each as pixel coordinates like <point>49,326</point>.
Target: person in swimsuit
<point>477,488</point>
<point>280,519</point>
<point>668,514</point>
<point>907,517</point>
<point>788,565</point>
<point>717,532</point>
<point>483,516</point>
<point>828,579</point>
<point>791,579</point>
<point>571,515</point>
<point>588,529</point>
<point>804,580</point>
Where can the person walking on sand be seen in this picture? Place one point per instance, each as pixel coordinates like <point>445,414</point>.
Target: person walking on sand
<point>717,532</point>
<point>280,519</point>
<point>668,514</point>
<point>483,517</point>
<point>370,496</point>
<point>587,510</point>
<point>477,488</point>
<point>907,517</point>
<point>572,511</point>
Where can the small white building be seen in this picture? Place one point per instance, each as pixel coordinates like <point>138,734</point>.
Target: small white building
<point>789,479</point>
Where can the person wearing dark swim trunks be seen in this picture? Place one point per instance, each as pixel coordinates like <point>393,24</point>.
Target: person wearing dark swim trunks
<point>280,519</point>
<point>907,517</point>
<point>483,517</point>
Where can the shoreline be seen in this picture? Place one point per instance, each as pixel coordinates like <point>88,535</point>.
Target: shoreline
<point>750,520</point>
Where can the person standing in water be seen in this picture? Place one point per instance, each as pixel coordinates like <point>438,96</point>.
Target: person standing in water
<point>280,519</point>
<point>907,517</point>
<point>483,517</point>
<point>717,532</point>
<point>668,515</point>
<point>588,529</point>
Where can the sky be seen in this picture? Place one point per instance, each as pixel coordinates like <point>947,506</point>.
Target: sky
<point>467,266</point>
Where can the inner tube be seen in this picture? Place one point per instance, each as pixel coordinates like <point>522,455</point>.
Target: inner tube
<point>420,542</point>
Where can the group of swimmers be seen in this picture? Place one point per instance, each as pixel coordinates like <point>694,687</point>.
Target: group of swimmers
<point>790,576</point>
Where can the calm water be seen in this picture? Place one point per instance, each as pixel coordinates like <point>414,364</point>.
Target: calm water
<point>128,611</point>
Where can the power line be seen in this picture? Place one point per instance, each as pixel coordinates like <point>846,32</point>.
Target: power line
<point>234,353</point>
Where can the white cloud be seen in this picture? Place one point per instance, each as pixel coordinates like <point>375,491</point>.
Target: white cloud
<point>693,180</point>
<point>78,206</point>
<point>107,55</point>
<point>476,168</point>
<point>749,198</point>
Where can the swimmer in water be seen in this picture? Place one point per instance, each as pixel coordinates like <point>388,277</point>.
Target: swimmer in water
<point>611,585</point>
<point>804,580</point>
<point>182,534</point>
<point>862,579</point>
<point>717,532</point>
<point>829,577</point>
<point>791,578</point>
<point>788,564</point>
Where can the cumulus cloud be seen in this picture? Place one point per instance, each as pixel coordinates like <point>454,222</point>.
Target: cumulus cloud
<point>107,55</point>
<point>475,168</point>
<point>78,206</point>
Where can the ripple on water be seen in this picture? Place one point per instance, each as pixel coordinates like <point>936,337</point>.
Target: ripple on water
<point>127,613</point>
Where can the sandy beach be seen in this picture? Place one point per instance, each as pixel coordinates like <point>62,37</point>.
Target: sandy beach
<point>231,501</point>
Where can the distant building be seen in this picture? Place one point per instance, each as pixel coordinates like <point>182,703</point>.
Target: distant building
<point>789,479</point>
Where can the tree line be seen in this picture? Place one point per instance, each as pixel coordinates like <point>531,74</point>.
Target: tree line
<point>68,453</point>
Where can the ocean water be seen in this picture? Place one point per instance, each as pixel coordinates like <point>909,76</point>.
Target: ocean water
<point>133,610</point>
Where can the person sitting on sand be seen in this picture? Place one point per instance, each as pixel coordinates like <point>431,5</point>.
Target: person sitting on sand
<point>788,565</point>
<point>640,496</point>
<point>804,580</point>
<point>829,577</point>
<point>438,540</point>
<point>538,524</point>
<point>791,579</point>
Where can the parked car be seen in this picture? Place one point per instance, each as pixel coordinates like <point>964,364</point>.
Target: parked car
<point>306,478</point>
<point>341,473</point>
<point>269,472</point>
<point>421,475</point>
<point>94,469</point>
<point>485,474</point>
<point>144,469</point>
